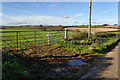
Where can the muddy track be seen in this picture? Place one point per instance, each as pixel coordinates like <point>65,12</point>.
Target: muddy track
<point>106,67</point>
<point>56,66</point>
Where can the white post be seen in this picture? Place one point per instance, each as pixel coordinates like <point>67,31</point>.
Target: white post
<point>66,37</point>
<point>48,37</point>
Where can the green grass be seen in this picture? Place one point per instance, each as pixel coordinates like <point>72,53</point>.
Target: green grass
<point>12,68</point>
<point>18,29</point>
<point>28,38</point>
<point>99,44</point>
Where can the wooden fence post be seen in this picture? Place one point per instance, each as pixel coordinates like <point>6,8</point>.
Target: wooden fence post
<point>35,39</point>
<point>17,39</point>
<point>89,31</point>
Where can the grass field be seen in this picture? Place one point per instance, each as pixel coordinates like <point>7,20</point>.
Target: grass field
<point>36,61</point>
<point>28,37</point>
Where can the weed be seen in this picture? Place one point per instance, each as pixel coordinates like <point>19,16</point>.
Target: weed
<point>12,70</point>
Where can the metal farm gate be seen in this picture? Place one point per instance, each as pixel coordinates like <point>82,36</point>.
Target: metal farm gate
<point>19,39</point>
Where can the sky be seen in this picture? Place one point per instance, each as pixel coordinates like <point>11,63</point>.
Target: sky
<point>58,13</point>
<point>59,0</point>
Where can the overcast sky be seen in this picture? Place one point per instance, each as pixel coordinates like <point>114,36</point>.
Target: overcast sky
<point>58,13</point>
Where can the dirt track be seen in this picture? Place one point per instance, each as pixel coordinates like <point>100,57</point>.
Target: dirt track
<point>93,29</point>
<point>107,67</point>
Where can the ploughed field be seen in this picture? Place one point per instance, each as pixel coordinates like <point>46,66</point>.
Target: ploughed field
<point>93,30</point>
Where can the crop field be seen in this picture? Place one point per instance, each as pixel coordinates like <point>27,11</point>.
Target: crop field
<point>35,59</point>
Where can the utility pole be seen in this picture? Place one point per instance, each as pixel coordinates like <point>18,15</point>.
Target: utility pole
<point>89,31</point>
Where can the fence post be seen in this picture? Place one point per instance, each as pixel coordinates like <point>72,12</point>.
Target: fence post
<point>35,39</point>
<point>17,39</point>
<point>48,37</point>
<point>66,34</point>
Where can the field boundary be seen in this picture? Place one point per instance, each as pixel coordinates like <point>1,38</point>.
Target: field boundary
<point>27,38</point>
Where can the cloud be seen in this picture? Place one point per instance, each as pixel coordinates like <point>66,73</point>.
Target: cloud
<point>37,5</point>
<point>21,11</point>
<point>50,20</point>
<point>105,11</point>
<point>65,16</point>
<point>17,5</point>
<point>1,14</point>
<point>40,19</point>
<point>79,15</point>
<point>76,22</point>
<point>47,20</point>
<point>53,5</point>
<point>16,23</point>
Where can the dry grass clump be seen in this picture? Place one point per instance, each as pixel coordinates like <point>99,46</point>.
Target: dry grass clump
<point>79,35</point>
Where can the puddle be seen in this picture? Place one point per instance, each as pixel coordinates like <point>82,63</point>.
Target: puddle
<point>76,62</point>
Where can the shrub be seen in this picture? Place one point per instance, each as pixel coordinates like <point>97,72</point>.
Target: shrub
<point>104,35</point>
<point>43,28</point>
<point>60,26</point>
<point>12,69</point>
<point>47,55</point>
<point>79,35</point>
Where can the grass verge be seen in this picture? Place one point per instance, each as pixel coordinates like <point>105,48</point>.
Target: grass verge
<point>12,68</point>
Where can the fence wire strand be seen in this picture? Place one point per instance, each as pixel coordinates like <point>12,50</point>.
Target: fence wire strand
<point>26,38</point>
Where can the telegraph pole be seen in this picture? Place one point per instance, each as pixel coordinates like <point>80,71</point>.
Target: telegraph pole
<point>89,31</point>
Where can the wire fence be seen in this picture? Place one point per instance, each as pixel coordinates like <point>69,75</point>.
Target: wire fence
<point>19,39</point>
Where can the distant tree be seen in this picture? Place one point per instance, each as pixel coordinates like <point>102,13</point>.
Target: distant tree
<point>41,25</point>
<point>60,26</point>
<point>82,25</point>
<point>105,25</point>
<point>115,24</point>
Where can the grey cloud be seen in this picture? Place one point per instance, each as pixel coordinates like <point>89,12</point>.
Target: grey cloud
<point>16,23</point>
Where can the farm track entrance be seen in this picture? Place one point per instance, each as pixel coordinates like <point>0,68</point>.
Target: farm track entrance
<point>43,58</point>
<point>20,39</point>
<point>50,59</point>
